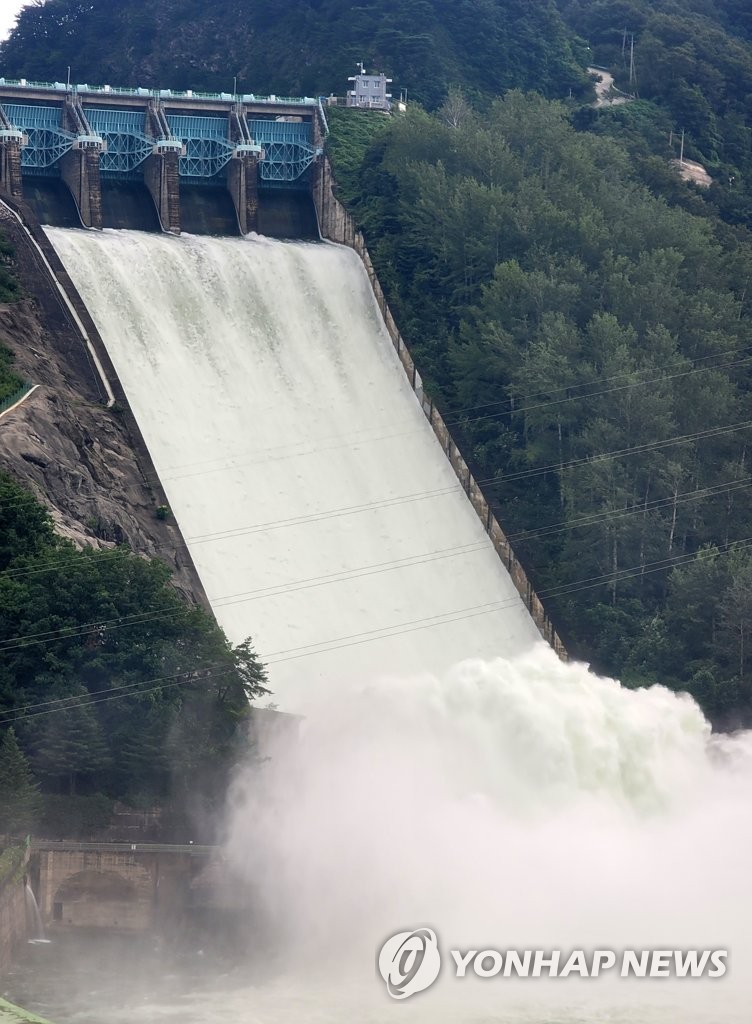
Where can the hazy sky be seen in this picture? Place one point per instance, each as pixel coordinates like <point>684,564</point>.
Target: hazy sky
<point>8,11</point>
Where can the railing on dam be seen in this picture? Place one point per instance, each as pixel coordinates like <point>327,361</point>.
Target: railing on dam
<point>71,846</point>
<point>184,94</point>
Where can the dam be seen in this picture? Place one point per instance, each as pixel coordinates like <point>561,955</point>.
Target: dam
<point>282,413</point>
<point>452,769</point>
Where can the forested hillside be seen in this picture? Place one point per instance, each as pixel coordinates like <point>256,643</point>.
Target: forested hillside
<point>694,61</point>
<point>591,347</point>
<point>298,47</point>
<point>114,687</point>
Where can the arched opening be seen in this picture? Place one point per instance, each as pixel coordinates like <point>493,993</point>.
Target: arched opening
<point>99,899</point>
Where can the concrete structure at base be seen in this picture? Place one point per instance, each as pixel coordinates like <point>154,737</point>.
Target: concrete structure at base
<point>132,887</point>
<point>87,137</point>
<point>14,926</point>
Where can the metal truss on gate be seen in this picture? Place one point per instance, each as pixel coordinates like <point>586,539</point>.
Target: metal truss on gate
<point>126,139</point>
<point>47,140</point>
<point>207,146</point>
<point>288,152</point>
<point>124,132</point>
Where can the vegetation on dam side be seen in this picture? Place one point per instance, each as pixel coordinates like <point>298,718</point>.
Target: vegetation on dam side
<point>10,290</point>
<point>10,382</point>
<point>590,345</point>
<point>111,685</point>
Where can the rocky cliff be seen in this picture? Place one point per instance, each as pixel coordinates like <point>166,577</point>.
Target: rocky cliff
<point>85,461</point>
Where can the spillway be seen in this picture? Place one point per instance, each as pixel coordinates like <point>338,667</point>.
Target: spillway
<point>509,800</point>
<point>322,515</point>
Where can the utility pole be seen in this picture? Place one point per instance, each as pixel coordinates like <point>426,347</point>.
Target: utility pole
<point>631,61</point>
<point>624,45</point>
<point>681,152</point>
<point>67,81</point>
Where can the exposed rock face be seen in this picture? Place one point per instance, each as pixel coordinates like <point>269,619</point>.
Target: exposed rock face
<point>80,458</point>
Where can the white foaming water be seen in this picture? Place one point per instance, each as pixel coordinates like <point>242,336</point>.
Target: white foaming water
<point>509,801</point>
<point>509,804</point>
<point>320,511</point>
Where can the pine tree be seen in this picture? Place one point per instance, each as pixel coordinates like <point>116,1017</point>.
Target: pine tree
<point>71,748</point>
<point>19,797</point>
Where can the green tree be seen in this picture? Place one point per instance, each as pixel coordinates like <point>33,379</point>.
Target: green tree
<point>70,749</point>
<point>20,802</point>
<point>296,48</point>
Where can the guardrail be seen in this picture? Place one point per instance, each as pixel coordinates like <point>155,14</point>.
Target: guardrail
<point>71,846</point>
<point>181,94</point>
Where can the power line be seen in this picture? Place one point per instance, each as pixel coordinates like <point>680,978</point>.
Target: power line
<point>62,703</point>
<point>79,630</point>
<point>353,440</point>
<point>87,628</point>
<point>369,636</point>
<point>168,476</point>
<point>596,394</point>
<point>422,495</point>
<point>91,556</point>
<point>620,453</point>
<point>171,475</point>
<point>350,574</point>
<point>388,502</point>
<point>596,380</point>
<point>633,571</point>
<point>596,518</point>
<point>84,703</point>
<point>173,472</point>
<point>315,517</point>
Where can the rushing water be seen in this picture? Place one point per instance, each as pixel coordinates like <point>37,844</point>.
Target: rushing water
<point>509,800</point>
<point>322,515</point>
<point>36,927</point>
